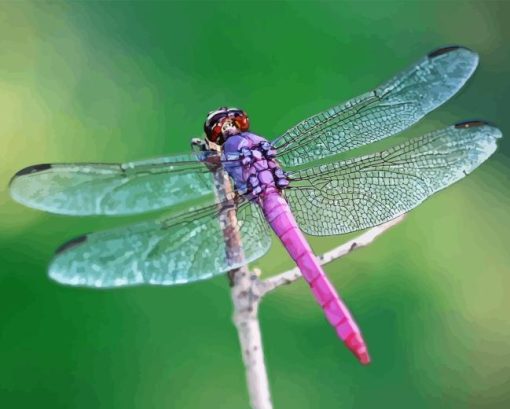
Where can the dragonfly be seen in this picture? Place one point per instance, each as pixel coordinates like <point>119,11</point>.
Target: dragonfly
<point>244,184</point>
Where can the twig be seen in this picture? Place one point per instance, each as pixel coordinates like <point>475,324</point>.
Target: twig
<point>247,293</point>
<point>248,290</point>
<point>362,240</point>
<point>246,299</point>
<point>246,303</point>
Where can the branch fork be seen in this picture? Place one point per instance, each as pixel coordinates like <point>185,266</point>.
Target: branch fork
<point>248,291</point>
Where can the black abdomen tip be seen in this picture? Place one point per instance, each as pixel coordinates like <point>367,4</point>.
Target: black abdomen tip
<point>471,124</point>
<point>445,50</point>
<point>71,243</point>
<point>33,169</point>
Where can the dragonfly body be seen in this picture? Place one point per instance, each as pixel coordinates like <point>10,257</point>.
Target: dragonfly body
<point>327,199</point>
<point>264,180</point>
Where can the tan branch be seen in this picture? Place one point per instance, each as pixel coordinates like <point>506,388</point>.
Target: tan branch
<point>248,290</point>
<point>246,300</point>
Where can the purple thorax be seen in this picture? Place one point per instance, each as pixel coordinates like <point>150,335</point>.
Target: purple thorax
<point>259,173</point>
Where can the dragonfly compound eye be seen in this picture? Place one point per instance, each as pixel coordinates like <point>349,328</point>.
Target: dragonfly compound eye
<point>241,119</point>
<point>215,120</point>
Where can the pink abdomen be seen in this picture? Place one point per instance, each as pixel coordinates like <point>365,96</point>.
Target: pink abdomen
<point>282,221</point>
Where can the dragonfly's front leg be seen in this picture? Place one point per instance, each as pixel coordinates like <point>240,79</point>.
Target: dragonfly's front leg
<point>198,145</point>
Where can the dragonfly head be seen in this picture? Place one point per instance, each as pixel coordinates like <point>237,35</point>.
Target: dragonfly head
<point>225,122</point>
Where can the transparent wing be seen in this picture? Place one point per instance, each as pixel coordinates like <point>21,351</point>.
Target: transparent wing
<point>113,189</point>
<point>355,194</point>
<point>385,111</point>
<point>181,249</point>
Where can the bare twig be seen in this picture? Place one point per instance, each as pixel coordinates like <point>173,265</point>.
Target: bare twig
<point>248,290</point>
<point>363,240</point>
<point>246,299</point>
<point>246,302</point>
<point>247,293</point>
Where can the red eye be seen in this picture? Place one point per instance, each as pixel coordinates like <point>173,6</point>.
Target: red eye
<point>243,122</point>
<point>215,133</point>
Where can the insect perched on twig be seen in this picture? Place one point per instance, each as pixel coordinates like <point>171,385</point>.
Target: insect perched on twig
<point>335,198</point>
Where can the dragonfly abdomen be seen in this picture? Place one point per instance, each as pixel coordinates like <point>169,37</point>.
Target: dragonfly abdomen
<point>281,219</point>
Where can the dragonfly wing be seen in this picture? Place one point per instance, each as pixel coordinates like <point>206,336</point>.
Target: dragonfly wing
<point>181,249</point>
<point>112,189</point>
<point>385,111</point>
<point>355,194</point>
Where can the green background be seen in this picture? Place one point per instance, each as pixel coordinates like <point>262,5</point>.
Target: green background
<point>122,81</point>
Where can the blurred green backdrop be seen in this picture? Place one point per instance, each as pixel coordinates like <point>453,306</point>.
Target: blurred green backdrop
<point>120,81</point>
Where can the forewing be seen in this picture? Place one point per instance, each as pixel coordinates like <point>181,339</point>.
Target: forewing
<point>112,189</point>
<point>355,194</point>
<point>181,249</point>
<point>385,111</point>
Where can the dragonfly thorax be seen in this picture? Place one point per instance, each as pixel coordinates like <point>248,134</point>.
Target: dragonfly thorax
<point>256,172</point>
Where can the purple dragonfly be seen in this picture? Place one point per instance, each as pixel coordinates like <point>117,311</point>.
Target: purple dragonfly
<point>318,199</point>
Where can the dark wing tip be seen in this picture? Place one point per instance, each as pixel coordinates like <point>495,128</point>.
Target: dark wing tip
<point>472,124</point>
<point>71,243</point>
<point>445,50</point>
<point>33,169</point>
